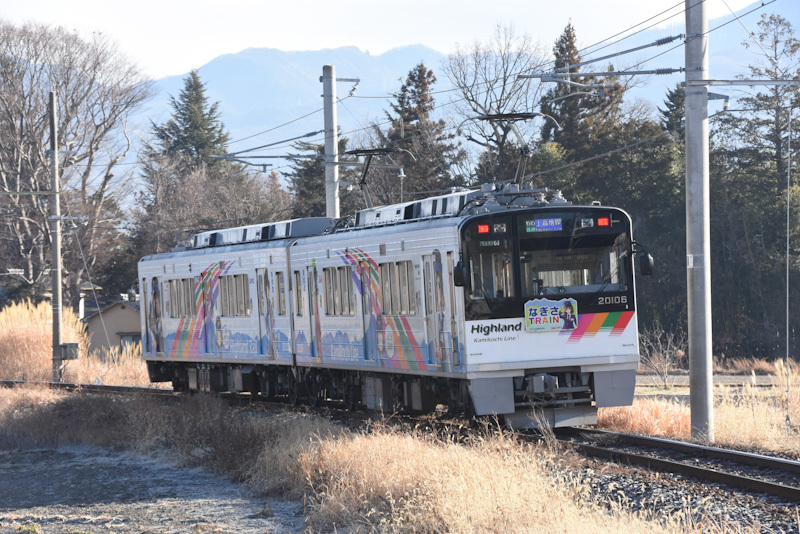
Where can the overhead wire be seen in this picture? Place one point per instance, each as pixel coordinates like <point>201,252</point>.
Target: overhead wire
<point>444,91</point>
<point>763,4</point>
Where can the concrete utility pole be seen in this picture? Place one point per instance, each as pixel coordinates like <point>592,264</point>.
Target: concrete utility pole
<point>328,80</point>
<point>698,246</point>
<point>55,238</point>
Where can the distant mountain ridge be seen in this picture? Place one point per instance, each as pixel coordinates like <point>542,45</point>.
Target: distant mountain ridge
<point>262,88</point>
<point>259,88</point>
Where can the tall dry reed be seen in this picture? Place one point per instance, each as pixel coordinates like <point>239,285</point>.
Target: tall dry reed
<point>26,349</point>
<point>744,416</point>
<point>388,481</point>
<point>26,339</point>
<point>119,366</point>
<point>651,416</point>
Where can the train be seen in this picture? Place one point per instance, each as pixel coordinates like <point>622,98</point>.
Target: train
<point>505,301</point>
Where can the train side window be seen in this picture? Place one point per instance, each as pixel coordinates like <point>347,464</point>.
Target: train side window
<point>242,288</point>
<point>173,297</point>
<point>387,272</point>
<point>405,270</point>
<point>223,296</point>
<point>338,291</point>
<point>329,279</point>
<point>234,296</point>
<point>346,288</point>
<point>397,288</point>
<point>298,293</point>
<point>428,289</point>
<point>281,290</point>
<point>188,294</point>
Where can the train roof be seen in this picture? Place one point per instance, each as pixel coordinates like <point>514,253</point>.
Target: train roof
<point>458,203</point>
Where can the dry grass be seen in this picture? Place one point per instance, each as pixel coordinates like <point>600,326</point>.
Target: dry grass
<point>753,416</point>
<point>26,350</point>
<point>749,416</point>
<point>118,366</point>
<point>387,481</point>
<point>654,417</point>
<point>382,480</point>
<point>26,340</point>
<point>743,366</point>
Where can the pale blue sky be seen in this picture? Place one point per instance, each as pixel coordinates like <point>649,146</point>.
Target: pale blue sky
<point>170,37</point>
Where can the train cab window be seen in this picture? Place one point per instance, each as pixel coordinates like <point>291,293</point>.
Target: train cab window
<point>298,293</point>
<point>592,263</point>
<point>281,292</point>
<point>490,250</point>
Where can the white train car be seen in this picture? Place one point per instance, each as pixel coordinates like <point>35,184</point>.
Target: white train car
<point>489,302</point>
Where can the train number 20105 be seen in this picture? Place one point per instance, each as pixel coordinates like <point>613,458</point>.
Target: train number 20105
<point>612,300</point>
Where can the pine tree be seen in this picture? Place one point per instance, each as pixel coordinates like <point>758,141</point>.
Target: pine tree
<point>429,155</point>
<point>307,183</point>
<point>195,130</point>
<point>580,122</point>
<point>674,117</point>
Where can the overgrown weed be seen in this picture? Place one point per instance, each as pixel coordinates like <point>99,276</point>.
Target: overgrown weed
<point>26,350</point>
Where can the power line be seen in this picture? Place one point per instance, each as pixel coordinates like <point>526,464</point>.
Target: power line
<point>763,4</point>
<point>445,91</point>
<point>276,127</point>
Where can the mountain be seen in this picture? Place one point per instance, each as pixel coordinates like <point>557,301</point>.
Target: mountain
<point>263,88</point>
<point>260,88</point>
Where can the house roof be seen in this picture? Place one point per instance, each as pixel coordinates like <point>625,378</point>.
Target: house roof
<point>110,303</point>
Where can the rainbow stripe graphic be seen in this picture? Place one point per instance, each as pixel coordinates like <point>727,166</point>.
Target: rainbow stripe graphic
<point>590,324</point>
<point>190,331</point>
<point>408,354</point>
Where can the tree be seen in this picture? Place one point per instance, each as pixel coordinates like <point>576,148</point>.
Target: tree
<point>195,130</point>
<point>97,90</point>
<point>307,183</point>
<point>486,78</point>
<point>749,154</point>
<point>579,118</point>
<point>185,190</point>
<point>428,154</point>
<point>674,116</point>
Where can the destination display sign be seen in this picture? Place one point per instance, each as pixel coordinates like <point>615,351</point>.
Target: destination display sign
<point>553,224</point>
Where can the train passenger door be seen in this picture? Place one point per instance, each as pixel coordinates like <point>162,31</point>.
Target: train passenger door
<point>266,318</point>
<point>435,309</point>
<point>368,314</point>
<point>206,289</point>
<point>456,335</point>
<point>315,335</point>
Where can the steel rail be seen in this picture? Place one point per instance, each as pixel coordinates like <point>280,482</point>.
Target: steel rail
<point>759,460</point>
<point>89,388</point>
<point>741,481</point>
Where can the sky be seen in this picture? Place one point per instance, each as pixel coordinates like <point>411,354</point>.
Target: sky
<point>171,37</point>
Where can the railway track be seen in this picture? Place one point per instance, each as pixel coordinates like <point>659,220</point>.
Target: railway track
<point>752,472</point>
<point>90,388</point>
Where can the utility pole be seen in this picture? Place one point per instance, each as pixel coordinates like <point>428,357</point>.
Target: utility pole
<point>698,246</point>
<point>328,80</point>
<point>55,238</point>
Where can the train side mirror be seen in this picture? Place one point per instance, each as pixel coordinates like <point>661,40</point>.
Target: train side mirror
<point>459,275</point>
<point>646,264</point>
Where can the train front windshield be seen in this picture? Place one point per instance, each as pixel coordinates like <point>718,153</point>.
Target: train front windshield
<point>582,253</point>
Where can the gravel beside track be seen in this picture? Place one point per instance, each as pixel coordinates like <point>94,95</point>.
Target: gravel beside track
<point>710,505</point>
<point>87,490</point>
